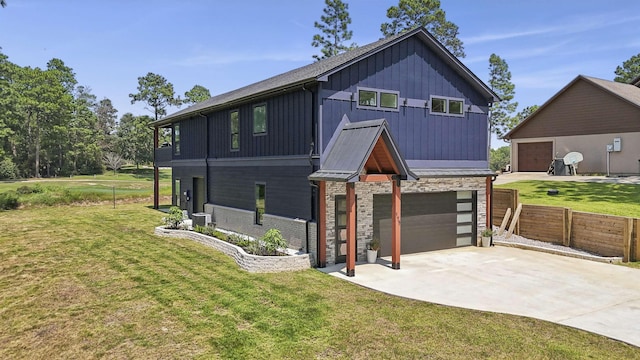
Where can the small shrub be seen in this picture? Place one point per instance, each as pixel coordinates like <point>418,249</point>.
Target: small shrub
<point>173,219</point>
<point>26,189</point>
<point>272,240</point>
<point>205,230</point>
<point>9,200</point>
<point>8,170</point>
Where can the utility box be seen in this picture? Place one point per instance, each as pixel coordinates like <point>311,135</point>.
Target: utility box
<point>201,219</point>
<point>617,144</point>
<point>559,168</point>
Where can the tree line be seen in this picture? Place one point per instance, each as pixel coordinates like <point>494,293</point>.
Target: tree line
<point>50,126</point>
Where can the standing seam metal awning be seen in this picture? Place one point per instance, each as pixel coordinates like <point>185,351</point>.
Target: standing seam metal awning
<point>354,146</point>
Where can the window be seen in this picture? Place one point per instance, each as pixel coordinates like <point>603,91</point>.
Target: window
<point>455,107</point>
<point>367,98</point>
<point>438,105</point>
<point>260,119</point>
<point>378,99</point>
<point>235,130</point>
<point>443,105</point>
<point>388,100</point>
<point>260,192</point>
<point>176,139</point>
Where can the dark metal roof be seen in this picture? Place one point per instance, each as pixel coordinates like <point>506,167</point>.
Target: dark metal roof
<point>626,92</point>
<point>354,144</point>
<point>635,82</point>
<point>320,70</point>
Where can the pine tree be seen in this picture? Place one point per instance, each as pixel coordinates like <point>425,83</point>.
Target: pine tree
<point>410,14</point>
<point>334,30</point>
<point>500,121</point>
<point>629,70</point>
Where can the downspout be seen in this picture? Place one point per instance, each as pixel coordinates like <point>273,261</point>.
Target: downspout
<point>206,161</point>
<point>315,193</point>
<point>156,171</point>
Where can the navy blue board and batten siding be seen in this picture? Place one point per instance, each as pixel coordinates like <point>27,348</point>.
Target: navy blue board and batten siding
<point>414,70</point>
<point>288,128</point>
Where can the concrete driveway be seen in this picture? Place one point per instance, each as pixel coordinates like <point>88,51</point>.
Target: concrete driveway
<point>597,297</point>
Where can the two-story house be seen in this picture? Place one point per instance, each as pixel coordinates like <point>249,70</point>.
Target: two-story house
<point>386,141</point>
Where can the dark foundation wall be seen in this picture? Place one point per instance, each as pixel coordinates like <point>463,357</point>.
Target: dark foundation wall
<point>287,191</point>
<point>186,175</point>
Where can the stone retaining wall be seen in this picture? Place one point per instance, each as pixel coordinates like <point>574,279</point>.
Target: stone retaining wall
<point>249,262</point>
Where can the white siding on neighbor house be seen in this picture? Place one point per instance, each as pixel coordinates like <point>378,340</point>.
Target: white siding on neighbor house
<point>593,148</point>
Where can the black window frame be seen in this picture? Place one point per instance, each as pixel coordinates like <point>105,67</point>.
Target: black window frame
<point>175,134</point>
<point>253,117</point>
<point>231,133</point>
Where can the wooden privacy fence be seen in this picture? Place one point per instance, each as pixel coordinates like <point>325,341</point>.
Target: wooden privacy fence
<point>606,235</point>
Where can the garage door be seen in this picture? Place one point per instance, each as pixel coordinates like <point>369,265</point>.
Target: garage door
<point>430,221</point>
<point>535,156</point>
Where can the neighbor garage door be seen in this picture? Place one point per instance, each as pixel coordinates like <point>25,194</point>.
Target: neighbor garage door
<point>430,221</point>
<point>535,156</point>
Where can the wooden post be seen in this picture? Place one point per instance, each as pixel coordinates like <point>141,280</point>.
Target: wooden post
<point>505,221</point>
<point>396,216</point>
<point>514,221</point>
<point>626,238</point>
<point>322,224</point>
<point>568,220</point>
<point>636,245</point>
<point>351,229</point>
<point>156,171</point>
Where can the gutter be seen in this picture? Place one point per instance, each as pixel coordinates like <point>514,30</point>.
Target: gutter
<point>170,119</point>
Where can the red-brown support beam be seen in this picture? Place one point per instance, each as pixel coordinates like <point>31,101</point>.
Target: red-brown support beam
<point>322,224</point>
<point>351,229</point>
<point>156,172</point>
<point>396,215</point>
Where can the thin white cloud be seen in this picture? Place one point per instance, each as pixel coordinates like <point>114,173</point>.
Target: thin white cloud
<point>224,58</point>
<point>571,25</point>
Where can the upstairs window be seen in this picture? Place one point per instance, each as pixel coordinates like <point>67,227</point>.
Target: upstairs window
<point>444,105</point>
<point>388,100</point>
<point>176,139</point>
<point>367,98</point>
<point>260,119</point>
<point>378,99</point>
<point>235,130</point>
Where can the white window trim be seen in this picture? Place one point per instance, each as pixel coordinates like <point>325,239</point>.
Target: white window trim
<point>378,92</point>
<point>446,113</point>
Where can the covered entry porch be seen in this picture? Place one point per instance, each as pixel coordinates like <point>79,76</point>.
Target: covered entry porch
<point>362,152</point>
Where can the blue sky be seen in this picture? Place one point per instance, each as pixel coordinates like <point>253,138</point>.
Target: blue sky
<point>224,45</point>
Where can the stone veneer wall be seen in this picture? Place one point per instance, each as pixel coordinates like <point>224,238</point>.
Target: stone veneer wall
<point>366,190</point>
<point>249,262</point>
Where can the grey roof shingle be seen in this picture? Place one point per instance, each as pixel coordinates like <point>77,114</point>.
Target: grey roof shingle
<point>317,70</point>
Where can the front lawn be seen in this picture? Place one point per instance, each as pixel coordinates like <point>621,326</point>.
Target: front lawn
<point>601,198</point>
<point>85,282</point>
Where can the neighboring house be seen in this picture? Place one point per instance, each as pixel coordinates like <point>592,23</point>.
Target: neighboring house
<point>585,116</point>
<point>332,152</point>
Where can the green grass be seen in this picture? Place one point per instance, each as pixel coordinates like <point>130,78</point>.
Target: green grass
<point>128,184</point>
<point>613,199</point>
<point>86,282</point>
